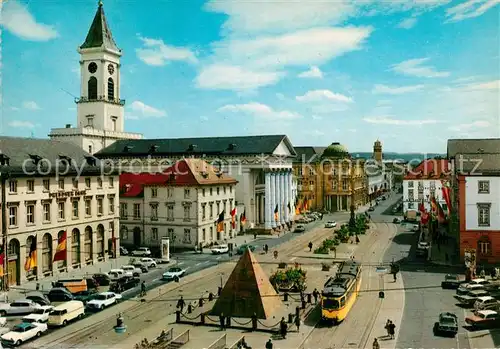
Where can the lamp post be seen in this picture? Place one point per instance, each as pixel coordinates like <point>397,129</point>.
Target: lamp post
<point>352,219</point>
<point>5,283</point>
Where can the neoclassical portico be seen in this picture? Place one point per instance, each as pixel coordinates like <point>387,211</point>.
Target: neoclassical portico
<point>278,188</point>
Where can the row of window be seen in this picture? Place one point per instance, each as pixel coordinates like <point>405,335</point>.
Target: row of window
<point>187,192</point>
<point>420,196</point>
<point>411,184</point>
<point>31,216</point>
<point>30,184</point>
<point>483,212</point>
<point>483,186</point>
<point>186,237</point>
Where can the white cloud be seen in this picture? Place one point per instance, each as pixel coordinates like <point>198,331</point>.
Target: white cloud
<point>227,77</point>
<point>14,108</point>
<point>314,72</point>
<point>323,95</point>
<point>259,110</point>
<point>19,21</point>
<point>140,110</point>
<point>470,126</point>
<point>487,85</point>
<point>407,23</point>
<point>416,67</point>
<point>317,117</point>
<point>315,133</point>
<point>396,90</point>
<point>469,9</point>
<point>31,105</point>
<point>387,120</point>
<point>155,52</point>
<point>21,124</point>
<point>280,96</point>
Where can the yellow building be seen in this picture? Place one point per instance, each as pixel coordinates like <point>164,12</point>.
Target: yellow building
<point>329,178</point>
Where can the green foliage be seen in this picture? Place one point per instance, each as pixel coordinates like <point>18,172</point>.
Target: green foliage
<point>322,250</point>
<point>290,276</point>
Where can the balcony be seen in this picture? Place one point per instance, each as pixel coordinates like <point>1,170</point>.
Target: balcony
<point>100,99</point>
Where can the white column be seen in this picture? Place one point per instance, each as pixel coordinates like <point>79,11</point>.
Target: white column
<point>276,196</point>
<point>287,199</point>
<point>282,198</point>
<point>268,198</point>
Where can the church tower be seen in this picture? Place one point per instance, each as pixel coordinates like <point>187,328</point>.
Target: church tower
<point>377,151</point>
<point>100,110</point>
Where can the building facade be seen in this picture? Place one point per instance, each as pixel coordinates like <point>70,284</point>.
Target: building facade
<point>423,183</point>
<point>476,193</point>
<point>262,165</point>
<point>100,109</point>
<point>51,188</point>
<point>182,208</point>
<point>328,178</point>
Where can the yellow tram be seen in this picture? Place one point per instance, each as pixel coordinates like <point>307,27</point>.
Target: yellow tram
<point>340,292</point>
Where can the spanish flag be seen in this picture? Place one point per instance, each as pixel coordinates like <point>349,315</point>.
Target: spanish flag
<point>233,218</point>
<point>60,254</point>
<point>2,260</point>
<point>243,218</point>
<point>30,263</point>
<point>276,214</point>
<point>220,222</point>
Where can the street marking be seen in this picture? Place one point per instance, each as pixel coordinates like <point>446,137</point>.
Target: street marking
<point>292,259</point>
<point>181,263</point>
<point>197,264</point>
<point>218,258</point>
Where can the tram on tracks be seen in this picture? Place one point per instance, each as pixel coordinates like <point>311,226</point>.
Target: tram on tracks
<point>340,292</point>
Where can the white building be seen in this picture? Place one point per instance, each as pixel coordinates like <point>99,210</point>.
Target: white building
<point>423,183</point>
<point>262,165</point>
<point>100,109</point>
<point>482,203</point>
<point>46,197</point>
<point>182,204</point>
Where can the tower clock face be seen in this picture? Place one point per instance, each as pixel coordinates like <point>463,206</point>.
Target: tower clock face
<point>92,67</point>
<point>111,69</point>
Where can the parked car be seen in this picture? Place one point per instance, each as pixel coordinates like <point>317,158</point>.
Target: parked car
<point>299,229</point>
<point>396,221</point>
<point>474,284</point>
<point>242,248</point>
<point>123,251</point>
<point>174,273</point>
<point>447,325</point>
<point>102,279</point>
<point>220,249</point>
<point>123,284</point>
<point>141,266</point>
<point>423,249</point>
<point>149,262</point>
<point>39,315</point>
<point>38,298</point>
<point>85,296</point>
<point>452,281</point>
<point>302,221</point>
<point>486,303</point>
<point>130,270</point>
<point>116,274</point>
<point>470,298</point>
<point>59,294</point>
<point>22,333</point>
<point>142,251</point>
<point>103,300</point>
<point>483,319</point>
<point>330,224</point>
<point>19,307</point>
<point>65,313</point>
<point>371,209</point>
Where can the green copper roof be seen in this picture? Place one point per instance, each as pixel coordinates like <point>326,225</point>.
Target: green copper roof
<point>336,150</point>
<point>99,33</point>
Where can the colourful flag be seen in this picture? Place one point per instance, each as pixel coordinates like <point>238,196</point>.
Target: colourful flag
<point>440,214</point>
<point>289,207</point>
<point>243,218</point>
<point>61,249</point>
<point>276,213</point>
<point>2,260</point>
<point>30,263</point>
<point>424,218</point>
<point>445,188</point>
<point>233,218</point>
<point>434,206</point>
<point>220,222</point>
<point>421,207</point>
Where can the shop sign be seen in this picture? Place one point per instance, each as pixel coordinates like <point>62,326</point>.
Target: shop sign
<point>67,194</point>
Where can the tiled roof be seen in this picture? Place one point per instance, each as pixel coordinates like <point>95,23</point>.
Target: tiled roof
<point>99,34</point>
<point>473,146</point>
<point>187,172</point>
<point>478,164</point>
<point>308,152</point>
<point>25,152</point>
<point>209,146</point>
<point>429,169</point>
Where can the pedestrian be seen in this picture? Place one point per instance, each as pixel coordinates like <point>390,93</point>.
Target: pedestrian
<point>375,344</point>
<point>394,276</point>
<point>222,324</point>
<point>38,286</point>
<point>310,245</point>
<point>297,323</point>
<point>181,303</point>
<point>269,344</point>
<point>255,236</point>
<point>357,239</point>
<point>392,329</point>
<point>283,328</point>
<point>143,288</point>
<point>387,327</point>
<point>315,295</point>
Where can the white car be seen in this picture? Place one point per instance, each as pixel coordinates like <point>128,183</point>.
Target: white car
<point>103,300</point>
<point>173,273</point>
<point>39,315</point>
<point>220,249</point>
<point>331,224</point>
<point>142,251</point>
<point>130,270</point>
<point>22,306</point>
<point>23,332</point>
<point>115,274</point>
<point>148,262</point>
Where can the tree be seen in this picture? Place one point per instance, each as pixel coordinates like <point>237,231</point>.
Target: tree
<point>352,220</point>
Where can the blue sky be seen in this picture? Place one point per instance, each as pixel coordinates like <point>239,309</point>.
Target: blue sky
<point>412,73</point>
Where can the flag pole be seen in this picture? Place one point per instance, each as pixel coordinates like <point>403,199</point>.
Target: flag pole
<point>4,232</point>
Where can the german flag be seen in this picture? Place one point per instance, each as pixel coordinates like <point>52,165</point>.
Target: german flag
<point>233,218</point>
<point>243,218</point>
<point>276,214</point>
<point>60,254</point>
<point>220,222</point>
<point>30,263</point>
<point>2,260</point>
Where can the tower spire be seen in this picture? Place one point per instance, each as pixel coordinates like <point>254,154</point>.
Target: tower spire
<point>99,35</point>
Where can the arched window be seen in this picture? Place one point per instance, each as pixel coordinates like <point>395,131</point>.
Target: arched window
<point>484,246</point>
<point>111,89</point>
<point>92,87</point>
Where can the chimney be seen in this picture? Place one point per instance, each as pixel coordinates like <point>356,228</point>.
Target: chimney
<point>68,125</point>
